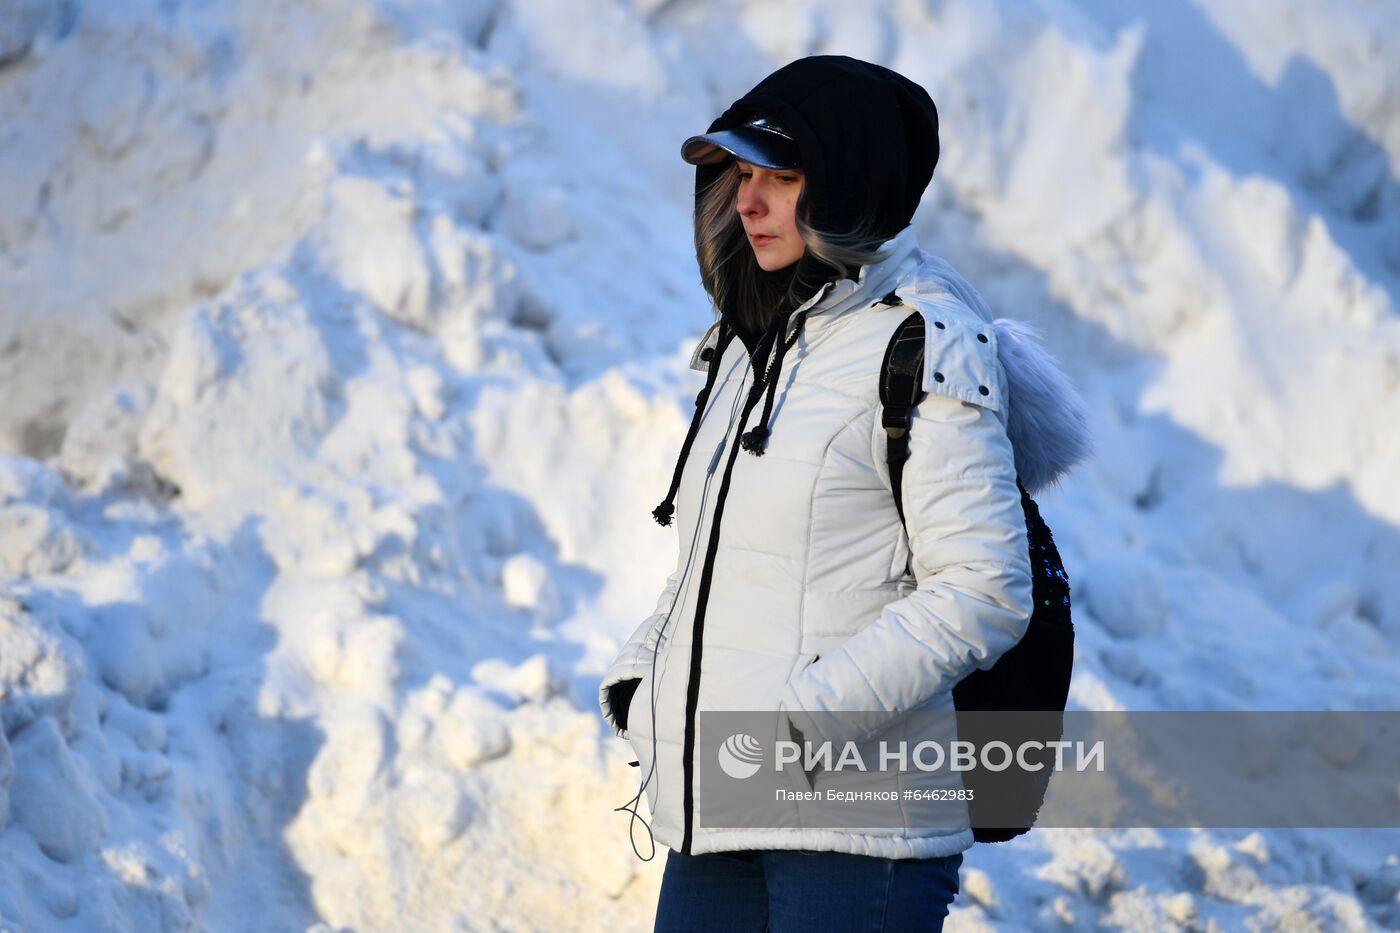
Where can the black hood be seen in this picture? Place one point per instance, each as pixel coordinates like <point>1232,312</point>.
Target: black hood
<point>868,137</point>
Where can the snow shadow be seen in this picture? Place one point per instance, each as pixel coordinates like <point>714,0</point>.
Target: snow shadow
<point>1192,87</point>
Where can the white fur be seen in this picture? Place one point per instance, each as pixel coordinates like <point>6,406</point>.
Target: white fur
<point>1046,419</point>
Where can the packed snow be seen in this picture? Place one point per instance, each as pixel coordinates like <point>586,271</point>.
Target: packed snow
<point>343,348</point>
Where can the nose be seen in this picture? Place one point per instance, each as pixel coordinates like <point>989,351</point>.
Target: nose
<point>751,201</point>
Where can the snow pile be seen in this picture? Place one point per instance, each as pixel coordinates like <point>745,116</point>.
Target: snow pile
<point>344,348</point>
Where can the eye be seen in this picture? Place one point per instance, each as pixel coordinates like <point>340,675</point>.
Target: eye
<point>789,178</point>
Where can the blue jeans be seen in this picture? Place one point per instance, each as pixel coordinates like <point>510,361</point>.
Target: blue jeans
<point>786,890</point>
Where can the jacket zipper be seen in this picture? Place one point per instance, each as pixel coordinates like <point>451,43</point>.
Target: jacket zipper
<point>692,697</point>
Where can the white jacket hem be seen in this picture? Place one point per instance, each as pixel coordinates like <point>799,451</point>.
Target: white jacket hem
<point>830,840</point>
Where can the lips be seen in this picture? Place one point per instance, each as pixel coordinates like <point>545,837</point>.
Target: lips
<point>760,239</point>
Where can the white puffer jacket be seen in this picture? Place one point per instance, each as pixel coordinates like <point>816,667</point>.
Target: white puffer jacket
<point>798,600</point>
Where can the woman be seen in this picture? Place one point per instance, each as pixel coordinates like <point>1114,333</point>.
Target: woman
<point>796,588</point>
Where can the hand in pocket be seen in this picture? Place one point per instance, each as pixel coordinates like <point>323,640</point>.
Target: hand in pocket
<point>620,700</point>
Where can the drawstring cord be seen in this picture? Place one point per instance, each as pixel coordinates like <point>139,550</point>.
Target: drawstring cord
<point>662,513</point>
<point>755,440</point>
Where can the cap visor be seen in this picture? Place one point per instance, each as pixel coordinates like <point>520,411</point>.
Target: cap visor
<point>758,147</point>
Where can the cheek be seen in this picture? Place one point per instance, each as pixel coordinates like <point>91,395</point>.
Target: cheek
<point>791,214</point>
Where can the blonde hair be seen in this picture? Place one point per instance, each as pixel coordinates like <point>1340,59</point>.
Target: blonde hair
<point>731,274</point>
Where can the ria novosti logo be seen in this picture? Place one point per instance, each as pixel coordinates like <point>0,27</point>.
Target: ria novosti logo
<point>740,756</point>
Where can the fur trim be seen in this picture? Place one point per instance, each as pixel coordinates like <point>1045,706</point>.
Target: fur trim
<point>1046,420</point>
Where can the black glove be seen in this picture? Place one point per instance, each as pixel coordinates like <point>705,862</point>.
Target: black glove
<point>620,700</point>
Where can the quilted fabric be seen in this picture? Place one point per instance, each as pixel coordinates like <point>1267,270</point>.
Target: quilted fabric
<point>808,609</point>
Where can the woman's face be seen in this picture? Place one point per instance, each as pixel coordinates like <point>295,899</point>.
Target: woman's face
<point>767,204</point>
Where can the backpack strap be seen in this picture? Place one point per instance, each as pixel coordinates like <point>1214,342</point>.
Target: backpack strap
<point>901,388</point>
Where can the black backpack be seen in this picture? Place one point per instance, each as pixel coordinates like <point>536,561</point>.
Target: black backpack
<point>1034,674</point>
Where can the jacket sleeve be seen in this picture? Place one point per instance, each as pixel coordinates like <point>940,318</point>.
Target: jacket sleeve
<point>970,556</point>
<point>636,656</point>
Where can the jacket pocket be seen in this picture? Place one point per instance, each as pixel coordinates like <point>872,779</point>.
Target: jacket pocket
<point>799,777</point>
<point>639,707</point>
<point>639,734</point>
<point>620,697</point>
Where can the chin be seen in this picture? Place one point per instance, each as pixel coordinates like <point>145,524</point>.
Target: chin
<point>773,264</point>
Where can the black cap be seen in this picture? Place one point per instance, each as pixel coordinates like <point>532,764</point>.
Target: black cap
<point>760,141</point>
